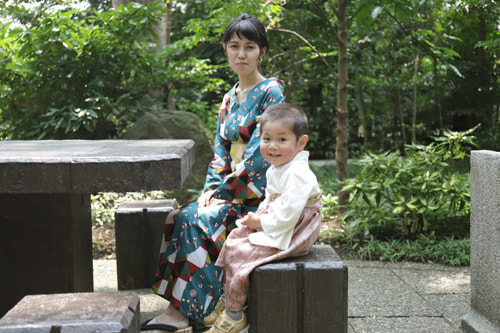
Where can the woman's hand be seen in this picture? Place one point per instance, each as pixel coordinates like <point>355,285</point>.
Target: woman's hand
<point>252,221</point>
<point>206,200</point>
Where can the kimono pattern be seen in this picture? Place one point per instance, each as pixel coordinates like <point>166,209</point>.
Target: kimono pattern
<point>193,238</point>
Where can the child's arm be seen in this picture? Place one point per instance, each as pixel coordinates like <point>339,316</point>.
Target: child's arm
<point>252,221</point>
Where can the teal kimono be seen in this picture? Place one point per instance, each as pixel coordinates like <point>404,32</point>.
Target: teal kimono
<point>193,239</point>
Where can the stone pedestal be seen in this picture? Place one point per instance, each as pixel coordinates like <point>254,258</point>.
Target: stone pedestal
<point>305,294</point>
<point>45,245</point>
<point>484,314</point>
<point>111,312</point>
<point>139,227</point>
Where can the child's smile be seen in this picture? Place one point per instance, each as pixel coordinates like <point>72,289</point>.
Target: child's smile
<point>278,144</point>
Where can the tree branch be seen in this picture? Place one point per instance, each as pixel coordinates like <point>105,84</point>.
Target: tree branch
<point>310,46</point>
<point>334,31</point>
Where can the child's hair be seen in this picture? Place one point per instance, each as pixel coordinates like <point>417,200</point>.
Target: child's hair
<point>288,113</point>
<point>248,26</point>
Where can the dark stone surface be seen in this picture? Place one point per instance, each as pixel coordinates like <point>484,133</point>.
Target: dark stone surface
<point>88,166</point>
<point>139,228</point>
<point>77,312</point>
<point>306,294</point>
<point>45,186</point>
<point>45,245</point>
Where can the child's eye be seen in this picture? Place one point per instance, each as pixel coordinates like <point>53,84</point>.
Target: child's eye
<point>282,139</point>
<point>265,139</point>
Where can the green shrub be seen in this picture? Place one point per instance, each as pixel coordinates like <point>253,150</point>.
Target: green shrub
<point>395,196</point>
<point>425,248</point>
<point>105,204</point>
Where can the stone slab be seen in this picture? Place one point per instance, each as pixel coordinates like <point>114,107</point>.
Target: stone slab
<point>74,312</point>
<point>380,293</point>
<point>455,281</point>
<point>400,325</point>
<point>452,306</point>
<point>89,166</point>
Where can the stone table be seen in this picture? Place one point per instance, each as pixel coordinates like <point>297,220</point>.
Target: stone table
<point>45,211</point>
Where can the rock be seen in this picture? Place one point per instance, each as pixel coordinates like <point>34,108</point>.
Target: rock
<point>171,124</point>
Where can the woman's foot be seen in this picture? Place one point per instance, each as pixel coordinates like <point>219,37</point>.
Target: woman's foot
<point>170,318</point>
<point>224,324</point>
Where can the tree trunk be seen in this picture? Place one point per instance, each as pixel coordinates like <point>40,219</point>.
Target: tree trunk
<point>414,103</point>
<point>398,112</point>
<point>341,154</point>
<point>358,92</point>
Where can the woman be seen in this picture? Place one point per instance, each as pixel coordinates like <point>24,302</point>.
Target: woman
<point>235,184</point>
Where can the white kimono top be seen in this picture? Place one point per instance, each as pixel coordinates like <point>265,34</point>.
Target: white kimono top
<point>288,189</point>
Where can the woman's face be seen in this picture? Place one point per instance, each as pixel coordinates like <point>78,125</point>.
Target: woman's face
<point>243,55</point>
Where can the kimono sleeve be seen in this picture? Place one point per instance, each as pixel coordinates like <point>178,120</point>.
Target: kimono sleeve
<point>220,166</point>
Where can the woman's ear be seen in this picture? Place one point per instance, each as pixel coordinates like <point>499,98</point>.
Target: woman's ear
<point>303,141</point>
<point>263,53</point>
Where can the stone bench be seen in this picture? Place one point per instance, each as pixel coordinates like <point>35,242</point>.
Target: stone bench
<point>139,228</point>
<point>306,294</point>
<point>74,312</point>
<point>303,294</point>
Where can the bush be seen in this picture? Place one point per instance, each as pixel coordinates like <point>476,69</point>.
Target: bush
<point>86,75</point>
<point>425,248</point>
<point>105,204</point>
<point>395,196</point>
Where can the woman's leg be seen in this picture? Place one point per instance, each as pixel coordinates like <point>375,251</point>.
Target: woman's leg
<point>187,276</point>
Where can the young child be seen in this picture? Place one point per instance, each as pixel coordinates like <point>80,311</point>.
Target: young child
<point>287,222</point>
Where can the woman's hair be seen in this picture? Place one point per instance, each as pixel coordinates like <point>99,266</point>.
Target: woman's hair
<point>250,28</point>
<point>286,112</point>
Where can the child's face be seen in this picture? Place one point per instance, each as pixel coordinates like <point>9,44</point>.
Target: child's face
<point>278,143</point>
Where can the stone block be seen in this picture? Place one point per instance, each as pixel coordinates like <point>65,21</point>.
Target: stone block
<point>305,294</point>
<point>108,312</point>
<point>485,244</point>
<point>139,228</point>
<point>45,245</point>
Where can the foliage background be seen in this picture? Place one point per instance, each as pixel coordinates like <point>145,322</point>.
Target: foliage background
<point>421,75</point>
<point>90,72</point>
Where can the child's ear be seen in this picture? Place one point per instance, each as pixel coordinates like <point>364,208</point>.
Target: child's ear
<point>303,141</point>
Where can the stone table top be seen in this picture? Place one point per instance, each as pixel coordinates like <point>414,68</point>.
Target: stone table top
<point>89,166</point>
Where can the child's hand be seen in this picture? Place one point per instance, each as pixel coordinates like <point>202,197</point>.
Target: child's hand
<point>252,221</point>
